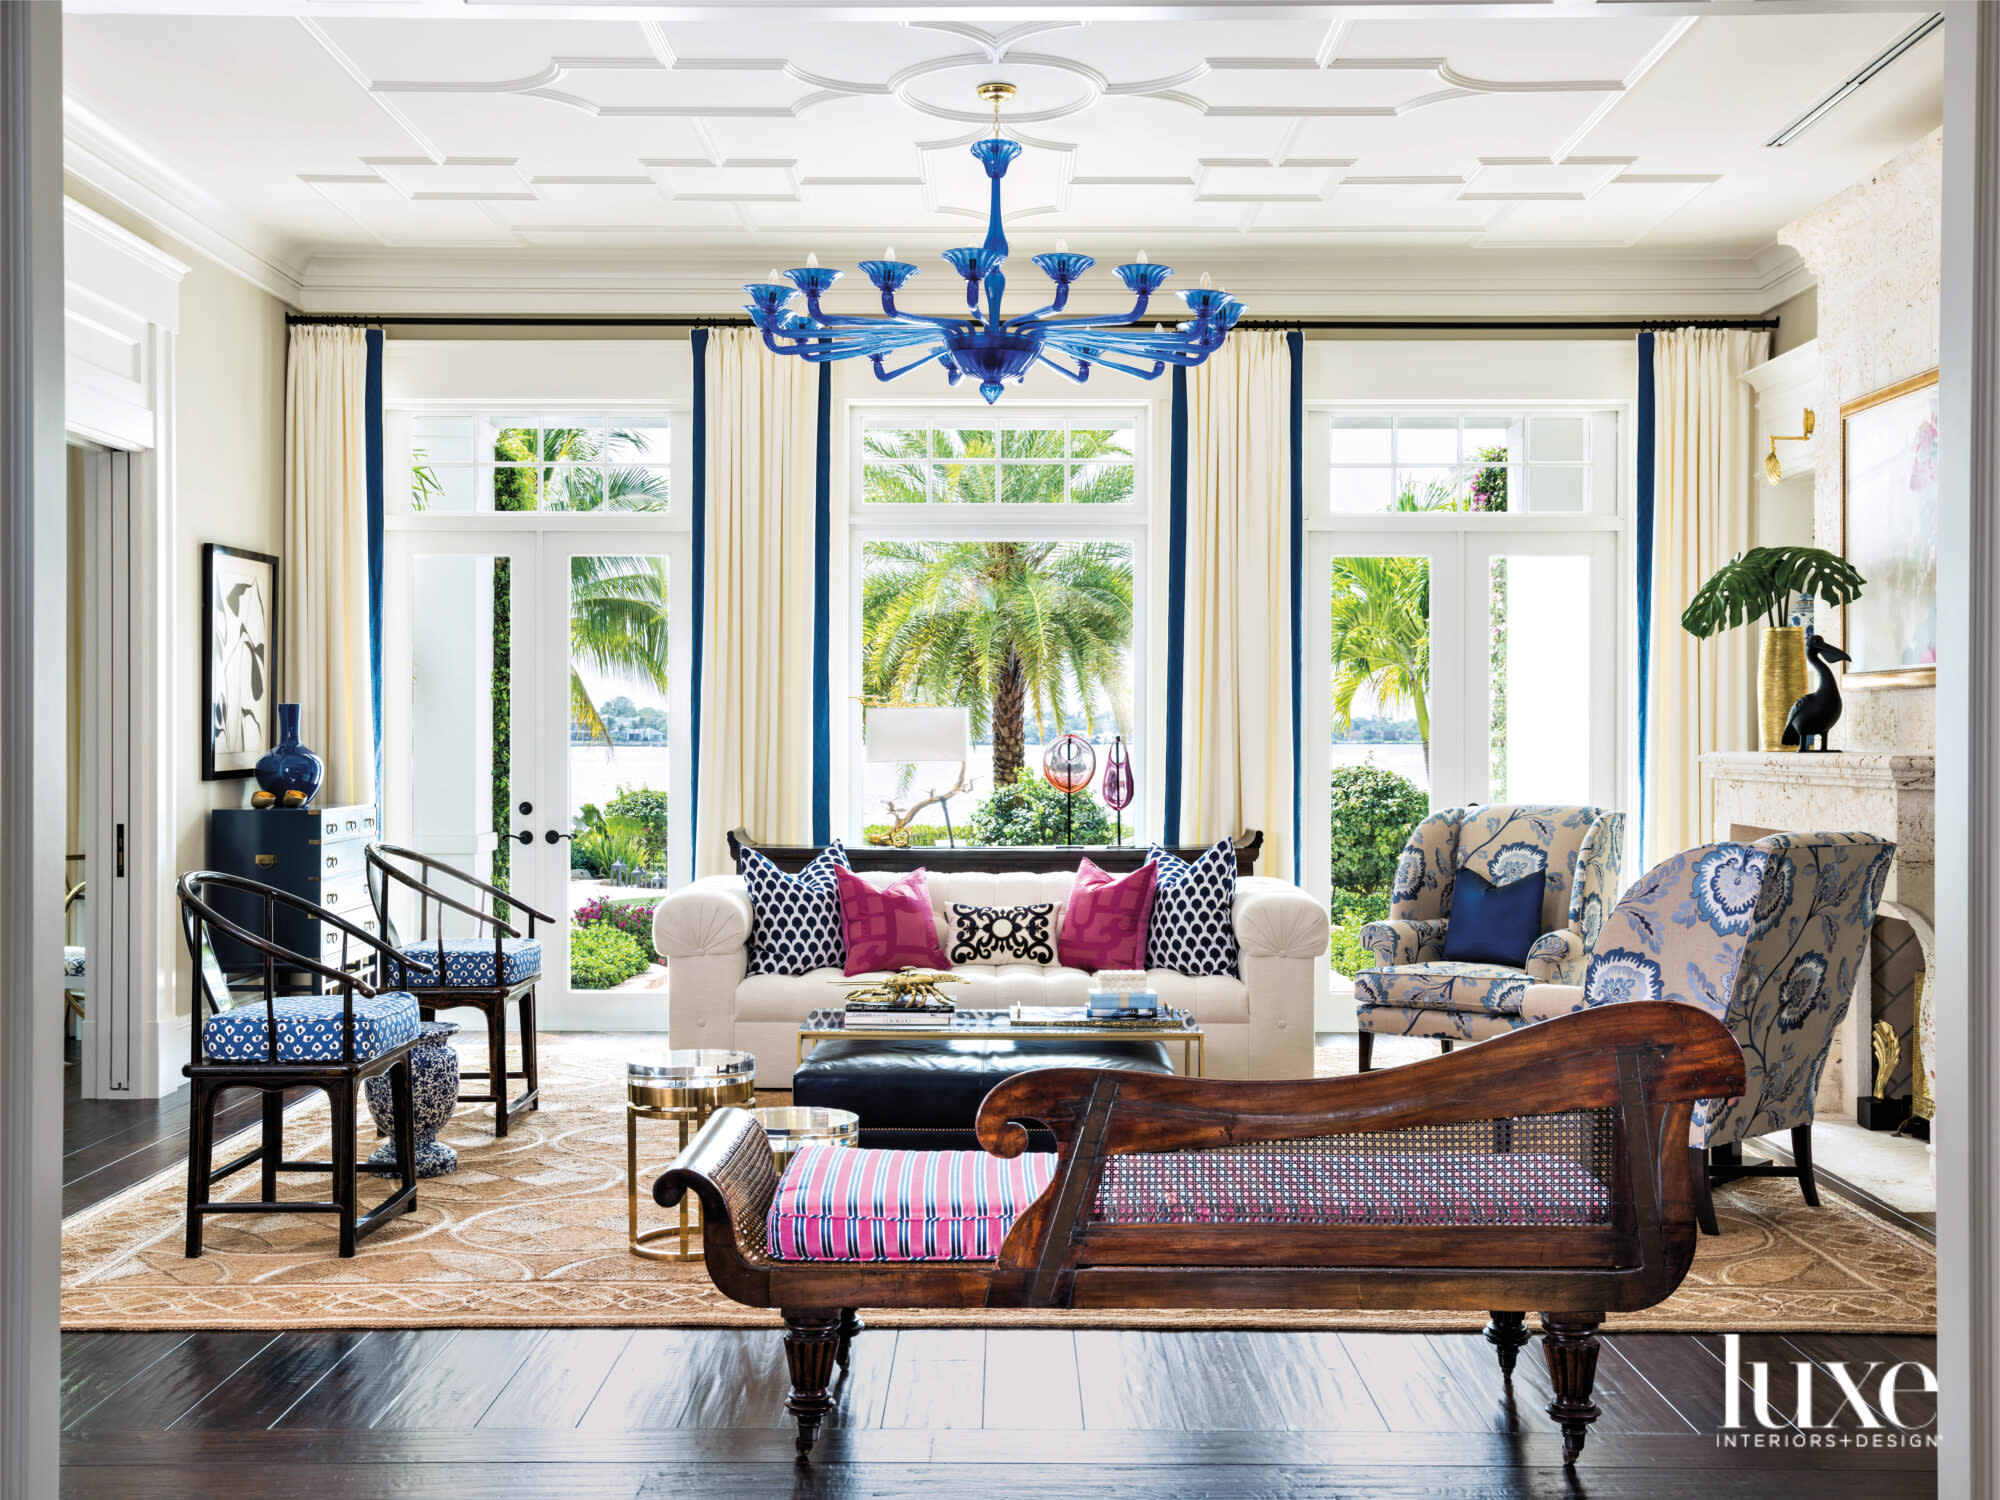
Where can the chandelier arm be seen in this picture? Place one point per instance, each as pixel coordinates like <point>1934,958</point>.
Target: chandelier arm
<point>1080,374</point>
<point>882,374</point>
<point>950,325</point>
<point>1178,354</point>
<point>892,332</point>
<point>1159,368</point>
<point>1085,320</point>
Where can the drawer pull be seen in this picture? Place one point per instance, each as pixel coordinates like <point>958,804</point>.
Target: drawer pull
<point>266,861</point>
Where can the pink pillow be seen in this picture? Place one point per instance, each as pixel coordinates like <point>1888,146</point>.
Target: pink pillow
<point>889,928</point>
<point>1104,926</point>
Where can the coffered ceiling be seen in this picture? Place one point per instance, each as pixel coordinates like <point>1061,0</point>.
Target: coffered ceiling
<point>362,156</point>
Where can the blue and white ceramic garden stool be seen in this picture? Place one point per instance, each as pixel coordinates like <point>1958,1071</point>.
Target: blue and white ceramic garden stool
<point>434,1081</point>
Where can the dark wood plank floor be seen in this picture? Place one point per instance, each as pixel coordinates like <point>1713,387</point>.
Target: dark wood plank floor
<point>1031,1414</point>
<point>614,1412</point>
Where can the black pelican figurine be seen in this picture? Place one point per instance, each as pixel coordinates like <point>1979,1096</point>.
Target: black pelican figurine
<point>1818,711</point>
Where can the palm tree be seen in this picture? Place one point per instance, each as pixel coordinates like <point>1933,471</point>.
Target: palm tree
<point>618,605</point>
<point>1005,627</point>
<point>1100,460</point>
<point>617,625</point>
<point>1382,637</point>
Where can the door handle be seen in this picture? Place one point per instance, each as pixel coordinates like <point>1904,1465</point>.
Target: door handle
<point>525,836</point>
<point>556,838</point>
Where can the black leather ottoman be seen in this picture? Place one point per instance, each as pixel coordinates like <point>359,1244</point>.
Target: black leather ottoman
<point>924,1093</point>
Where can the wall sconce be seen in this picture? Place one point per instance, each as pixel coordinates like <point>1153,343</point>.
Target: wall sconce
<point>1771,470</point>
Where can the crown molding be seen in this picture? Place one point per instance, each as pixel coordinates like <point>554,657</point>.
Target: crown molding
<point>98,155</point>
<point>1276,284</point>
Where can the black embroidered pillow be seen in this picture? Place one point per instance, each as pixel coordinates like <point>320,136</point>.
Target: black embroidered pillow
<point>795,919</point>
<point>1001,934</point>
<point>1193,927</point>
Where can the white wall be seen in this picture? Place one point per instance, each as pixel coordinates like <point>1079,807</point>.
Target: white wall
<point>229,487</point>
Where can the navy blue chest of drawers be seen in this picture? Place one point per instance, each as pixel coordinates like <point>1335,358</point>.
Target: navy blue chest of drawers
<point>317,853</point>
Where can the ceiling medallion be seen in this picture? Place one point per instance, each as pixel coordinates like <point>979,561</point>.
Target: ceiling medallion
<point>989,348</point>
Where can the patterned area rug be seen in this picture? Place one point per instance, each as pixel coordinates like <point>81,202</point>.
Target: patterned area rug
<point>530,1232</point>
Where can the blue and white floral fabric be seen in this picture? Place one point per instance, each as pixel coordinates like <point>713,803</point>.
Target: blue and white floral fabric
<point>72,962</point>
<point>468,963</point>
<point>311,1028</point>
<point>1580,853</point>
<point>1794,909</point>
<point>795,925</point>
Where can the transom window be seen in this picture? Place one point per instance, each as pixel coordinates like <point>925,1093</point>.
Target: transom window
<point>1548,463</point>
<point>471,462</point>
<point>950,460</point>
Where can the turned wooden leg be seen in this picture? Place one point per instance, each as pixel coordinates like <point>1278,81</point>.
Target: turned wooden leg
<point>850,1325</point>
<point>812,1339</point>
<point>1507,1333</point>
<point>1569,1341</point>
<point>1367,1041</point>
<point>1704,1200</point>
<point>1802,1154</point>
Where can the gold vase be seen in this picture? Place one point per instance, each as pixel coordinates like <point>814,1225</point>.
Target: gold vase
<point>1781,681</point>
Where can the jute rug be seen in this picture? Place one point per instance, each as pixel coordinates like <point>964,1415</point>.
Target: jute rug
<point>530,1232</point>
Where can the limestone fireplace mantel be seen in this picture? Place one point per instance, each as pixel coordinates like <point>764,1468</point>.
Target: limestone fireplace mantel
<point>1890,794</point>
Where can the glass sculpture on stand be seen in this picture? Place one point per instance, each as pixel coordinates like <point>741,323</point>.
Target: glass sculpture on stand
<point>1119,786</point>
<point>983,345</point>
<point>1068,764</point>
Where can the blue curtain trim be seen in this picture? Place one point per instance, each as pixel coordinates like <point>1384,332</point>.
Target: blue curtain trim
<point>1177,504</point>
<point>1295,341</point>
<point>372,423</point>
<point>698,502</point>
<point>1644,457</point>
<point>822,766</point>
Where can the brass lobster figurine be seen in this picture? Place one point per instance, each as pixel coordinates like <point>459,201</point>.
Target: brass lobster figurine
<point>906,989</point>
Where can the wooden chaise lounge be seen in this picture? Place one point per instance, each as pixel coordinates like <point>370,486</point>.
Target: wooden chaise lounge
<point>1546,1170</point>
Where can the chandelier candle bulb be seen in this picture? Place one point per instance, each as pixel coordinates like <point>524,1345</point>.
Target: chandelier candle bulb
<point>994,350</point>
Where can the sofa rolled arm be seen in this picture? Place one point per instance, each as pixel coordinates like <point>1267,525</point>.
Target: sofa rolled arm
<point>1557,957</point>
<point>1394,942</point>
<point>708,918</point>
<point>1275,919</point>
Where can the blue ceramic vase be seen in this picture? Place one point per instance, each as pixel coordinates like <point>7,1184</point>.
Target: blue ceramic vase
<point>289,771</point>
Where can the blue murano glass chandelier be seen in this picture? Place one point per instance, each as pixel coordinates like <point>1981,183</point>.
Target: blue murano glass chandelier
<point>989,348</point>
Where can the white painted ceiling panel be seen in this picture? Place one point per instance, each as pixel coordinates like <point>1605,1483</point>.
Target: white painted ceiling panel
<point>554,137</point>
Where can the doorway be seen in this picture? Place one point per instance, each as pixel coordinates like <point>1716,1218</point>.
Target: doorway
<point>535,734</point>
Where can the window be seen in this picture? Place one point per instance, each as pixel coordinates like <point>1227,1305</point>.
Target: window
<point>1548,463</point>
<point>1015,595</point>
<point>953,460</point>
<point>474,462</point>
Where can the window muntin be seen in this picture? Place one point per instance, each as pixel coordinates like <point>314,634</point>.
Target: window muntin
<point>953,459</point>
<point>1478,462</point>
<point>464,463</point>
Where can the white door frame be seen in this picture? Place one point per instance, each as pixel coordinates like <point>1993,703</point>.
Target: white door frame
<point>122,312</point>
<point>540,546</point>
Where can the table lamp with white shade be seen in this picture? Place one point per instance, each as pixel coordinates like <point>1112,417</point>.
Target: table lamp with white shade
<point>921,734</point>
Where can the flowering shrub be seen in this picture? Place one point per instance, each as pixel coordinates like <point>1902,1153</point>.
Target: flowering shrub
<point>633,918</point>
<point>602,958</point>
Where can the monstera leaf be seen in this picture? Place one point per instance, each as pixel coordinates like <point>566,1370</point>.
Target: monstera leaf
<point>1763,581</point>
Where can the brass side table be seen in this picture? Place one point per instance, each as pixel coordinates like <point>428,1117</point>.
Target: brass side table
<point>685,1087</point>
<point>791,1128</point>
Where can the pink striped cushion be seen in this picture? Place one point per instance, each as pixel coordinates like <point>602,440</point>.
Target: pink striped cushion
<point>839,1203</point>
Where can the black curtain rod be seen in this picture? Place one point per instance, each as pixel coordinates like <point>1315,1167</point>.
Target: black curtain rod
<point>1521,325</point>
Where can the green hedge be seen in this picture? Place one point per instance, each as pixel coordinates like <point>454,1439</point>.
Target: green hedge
<point>921,835</point>
<point>1030,812</point>
<point>602,958</point>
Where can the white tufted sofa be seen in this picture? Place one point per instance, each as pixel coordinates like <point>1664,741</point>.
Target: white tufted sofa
<point>1258,1026</point>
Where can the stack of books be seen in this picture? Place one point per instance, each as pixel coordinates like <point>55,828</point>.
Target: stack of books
<point>881,1013</point>
<point>1077,1015</point>
<point>1128,1005</point>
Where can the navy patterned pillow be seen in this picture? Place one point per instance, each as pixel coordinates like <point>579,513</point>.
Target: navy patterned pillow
<point>795,924</point>
<point>1193,928</point>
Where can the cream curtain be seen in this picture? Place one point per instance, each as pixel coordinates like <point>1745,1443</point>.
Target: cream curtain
<point>329,669</point>
<point>756,744</point>
<point>1701,693</point>
<point>1236,709</point>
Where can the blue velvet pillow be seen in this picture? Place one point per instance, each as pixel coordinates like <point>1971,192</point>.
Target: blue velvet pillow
<point>1493,924</point>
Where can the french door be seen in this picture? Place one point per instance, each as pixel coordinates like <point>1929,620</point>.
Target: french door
<point>1481,663</point>
<point>533,736</point>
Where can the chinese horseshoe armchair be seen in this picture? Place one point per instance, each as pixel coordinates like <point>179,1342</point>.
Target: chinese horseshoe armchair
<point>1545,1171</point>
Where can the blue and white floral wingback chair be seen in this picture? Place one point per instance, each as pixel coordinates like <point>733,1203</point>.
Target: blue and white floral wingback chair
<point>1769,938</point>
<point>1413,991</point>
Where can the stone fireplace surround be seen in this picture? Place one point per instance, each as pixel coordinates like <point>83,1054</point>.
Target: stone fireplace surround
<point>1890,794</point>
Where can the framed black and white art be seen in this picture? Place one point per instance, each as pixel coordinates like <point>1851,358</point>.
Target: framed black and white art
<point>239,659</point>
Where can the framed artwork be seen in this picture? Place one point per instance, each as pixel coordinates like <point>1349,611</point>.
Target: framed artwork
<point>239,659</point>
<point>1889,529</point>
